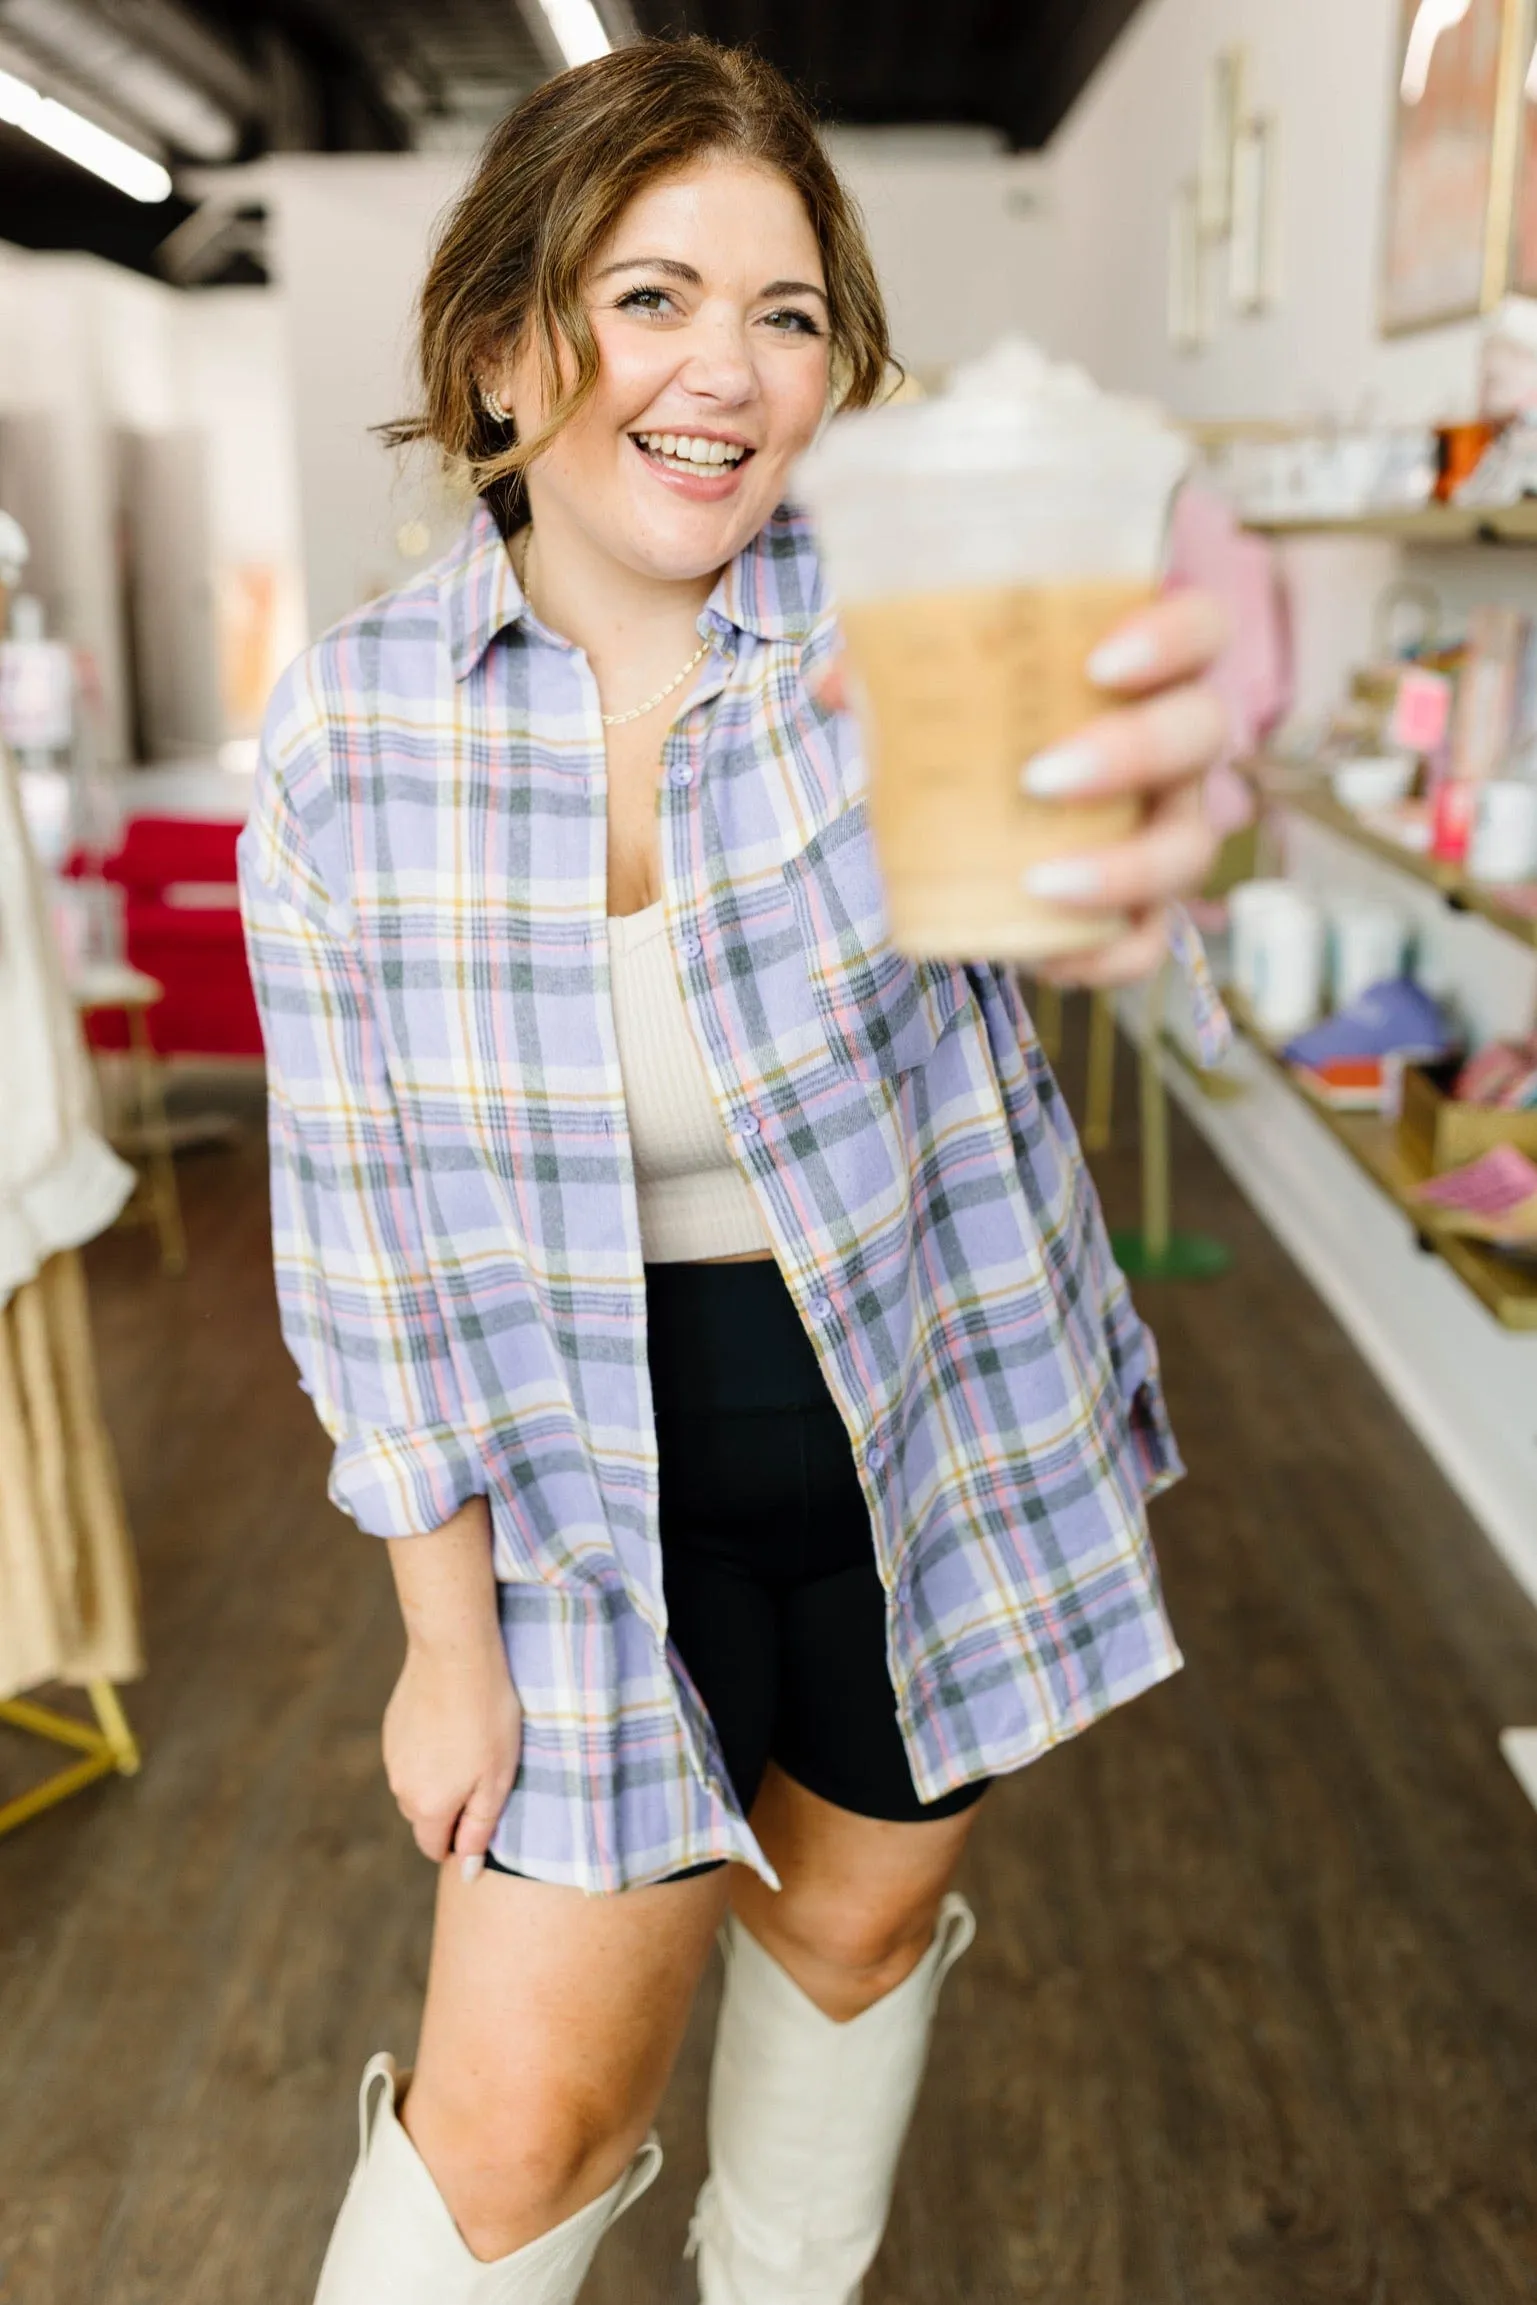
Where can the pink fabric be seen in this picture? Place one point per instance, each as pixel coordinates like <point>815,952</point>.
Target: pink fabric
<point>1208,549</point>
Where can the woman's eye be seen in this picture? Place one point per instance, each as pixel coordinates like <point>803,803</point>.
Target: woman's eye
<point>645,300</point>
<point>791,322</point>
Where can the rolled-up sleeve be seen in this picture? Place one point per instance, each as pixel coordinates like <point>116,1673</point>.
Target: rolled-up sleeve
<point>356,1299</point>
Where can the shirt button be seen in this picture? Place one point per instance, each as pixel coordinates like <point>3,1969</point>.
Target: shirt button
<point>680,773</point>
<point>747,1125</point>
<point>693,946</point>
<point>821,1307</point>
<point>875,1456</point>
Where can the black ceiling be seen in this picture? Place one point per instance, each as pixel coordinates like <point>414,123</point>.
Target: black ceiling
<point>1013,65</point>
<point>381,75</point>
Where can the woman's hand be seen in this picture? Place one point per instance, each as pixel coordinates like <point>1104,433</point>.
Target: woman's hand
<point>1162,748</point>
<point>452,1731</point>
<point>453,1727</point>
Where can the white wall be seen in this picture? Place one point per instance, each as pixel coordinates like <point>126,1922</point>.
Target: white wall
<point>1324,68</point>
<point>350,236</point>
<point>959,238</point>
<point>94,348</point>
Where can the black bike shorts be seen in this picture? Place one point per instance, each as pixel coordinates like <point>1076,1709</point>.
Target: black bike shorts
<point>774,1601</point>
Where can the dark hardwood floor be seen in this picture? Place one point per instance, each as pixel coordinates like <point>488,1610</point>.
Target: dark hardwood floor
<point>1252,2019</point>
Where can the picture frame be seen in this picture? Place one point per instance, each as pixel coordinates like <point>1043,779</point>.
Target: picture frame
<point>1521,273</point>
<point>1254,244</point>
<point>1452,171</point>
<point>1222,110</point>
<point>1191,320</point>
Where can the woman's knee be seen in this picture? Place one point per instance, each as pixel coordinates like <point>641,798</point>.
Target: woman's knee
<point>847,1952</point>
<point>514,2162</point>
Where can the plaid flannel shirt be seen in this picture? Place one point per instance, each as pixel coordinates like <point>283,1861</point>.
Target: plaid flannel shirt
<point>458,1255</point>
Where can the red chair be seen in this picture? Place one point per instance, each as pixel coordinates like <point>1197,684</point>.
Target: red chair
<point>182,927</point>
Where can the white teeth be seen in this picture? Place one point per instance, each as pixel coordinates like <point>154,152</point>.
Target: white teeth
<point>686,448</point>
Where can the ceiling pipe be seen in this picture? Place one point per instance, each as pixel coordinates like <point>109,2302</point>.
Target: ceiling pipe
<point>181,40</point>
<point>22,64</point>
<point>66,34</point>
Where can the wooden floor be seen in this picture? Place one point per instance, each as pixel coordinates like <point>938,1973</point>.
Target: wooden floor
<point>1252,2019</point>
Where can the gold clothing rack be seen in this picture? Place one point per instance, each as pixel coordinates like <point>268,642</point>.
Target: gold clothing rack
<point>107,1749</point>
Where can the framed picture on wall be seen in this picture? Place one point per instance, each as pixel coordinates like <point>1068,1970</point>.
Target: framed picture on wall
<point>1221,112</point>
<point>1253,252</point>
<point>1523,246</point>
<point>1191,315</point>
<point>1451,185</point>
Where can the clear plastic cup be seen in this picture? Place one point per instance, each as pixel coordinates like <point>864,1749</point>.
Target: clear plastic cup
<point>979,546</point>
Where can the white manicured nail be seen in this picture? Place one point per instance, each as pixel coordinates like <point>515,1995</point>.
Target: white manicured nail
<point>472,1867</point>
<point>1125,657</point>
<point>1064,880</point>
<point>1065,768</point>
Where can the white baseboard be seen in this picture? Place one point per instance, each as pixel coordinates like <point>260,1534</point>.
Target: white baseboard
<point>1467,1386</point>
<point>1519,1747</point>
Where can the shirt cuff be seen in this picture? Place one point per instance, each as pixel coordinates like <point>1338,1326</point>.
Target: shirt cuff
<point>405,1484</point>
<point>1213,1026</point>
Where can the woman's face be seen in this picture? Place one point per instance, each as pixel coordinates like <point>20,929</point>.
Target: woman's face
<point>708,304</point>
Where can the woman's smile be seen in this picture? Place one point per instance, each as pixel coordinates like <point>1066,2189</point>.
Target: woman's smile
<point>707,466</point>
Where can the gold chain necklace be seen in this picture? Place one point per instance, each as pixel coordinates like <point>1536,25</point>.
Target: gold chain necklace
<point>636,711</point>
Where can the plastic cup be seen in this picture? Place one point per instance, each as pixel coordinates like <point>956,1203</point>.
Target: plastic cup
<point>979,547</point>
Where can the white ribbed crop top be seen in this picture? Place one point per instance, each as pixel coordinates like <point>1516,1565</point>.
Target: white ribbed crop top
<point>694,1201</point>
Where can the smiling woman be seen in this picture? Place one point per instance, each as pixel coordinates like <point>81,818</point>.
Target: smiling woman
<point>516,263</point>
<point>708,1301</point>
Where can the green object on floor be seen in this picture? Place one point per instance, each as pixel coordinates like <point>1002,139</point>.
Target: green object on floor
<point>1182,1257</point>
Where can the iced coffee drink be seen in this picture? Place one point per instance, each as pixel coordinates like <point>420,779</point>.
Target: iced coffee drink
<point>980,545</point>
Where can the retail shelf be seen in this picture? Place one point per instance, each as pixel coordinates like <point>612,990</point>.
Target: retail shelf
<point>1444,524</point>
<point>1513,911</point>
<point>1500,1285</point>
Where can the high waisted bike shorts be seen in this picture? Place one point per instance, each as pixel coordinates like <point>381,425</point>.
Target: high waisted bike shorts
<point>774,1600</point>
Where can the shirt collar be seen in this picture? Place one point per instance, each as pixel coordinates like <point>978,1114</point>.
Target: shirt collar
<point>773,589</point>
<point>479,591</point>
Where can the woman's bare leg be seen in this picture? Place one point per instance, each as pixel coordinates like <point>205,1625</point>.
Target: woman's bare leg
<point>552,2023</point>
<point>830,1994</point>
<point>860,1898</point>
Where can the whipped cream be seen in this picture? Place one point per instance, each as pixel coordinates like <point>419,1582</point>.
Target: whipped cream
<point>1021,471</point>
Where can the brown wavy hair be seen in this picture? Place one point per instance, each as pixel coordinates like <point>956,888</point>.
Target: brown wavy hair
<point>553,181</point>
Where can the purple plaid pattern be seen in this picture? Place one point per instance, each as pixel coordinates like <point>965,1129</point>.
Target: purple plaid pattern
<point>454,1217</point>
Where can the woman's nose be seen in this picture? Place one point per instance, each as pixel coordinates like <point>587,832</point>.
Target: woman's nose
<point>719,365</point>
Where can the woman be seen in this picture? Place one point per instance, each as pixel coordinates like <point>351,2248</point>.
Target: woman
<point>709,1306</point>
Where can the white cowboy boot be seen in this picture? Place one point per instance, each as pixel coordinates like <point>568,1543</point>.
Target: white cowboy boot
<point>396,2244</point>
<point>806,2123</point>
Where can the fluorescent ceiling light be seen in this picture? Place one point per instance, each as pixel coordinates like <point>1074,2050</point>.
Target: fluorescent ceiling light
<point>1434,18</point>
<point>99,55</point>
<point>578,29</point>
<point>80,140</point>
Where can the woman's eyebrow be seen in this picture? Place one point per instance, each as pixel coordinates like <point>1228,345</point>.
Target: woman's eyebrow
<point>673,269</point>
<point>668,264</point>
